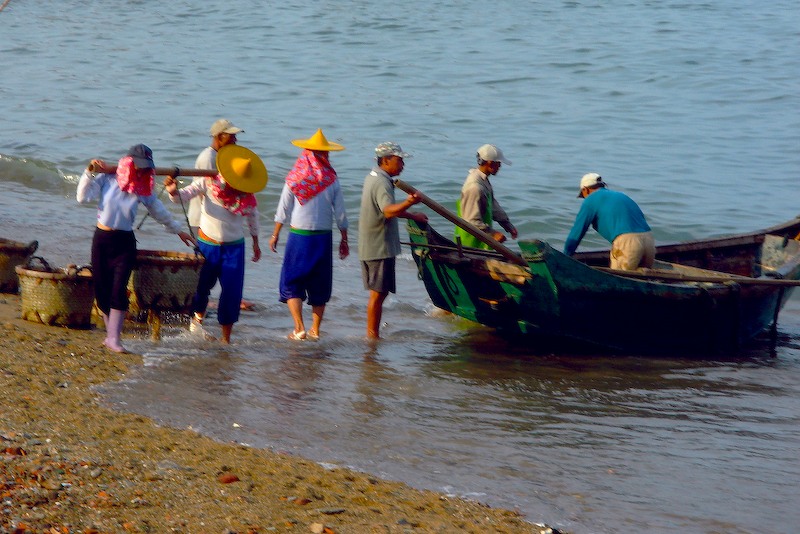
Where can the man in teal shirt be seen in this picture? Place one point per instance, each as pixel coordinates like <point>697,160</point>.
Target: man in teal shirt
<point>618,219</point>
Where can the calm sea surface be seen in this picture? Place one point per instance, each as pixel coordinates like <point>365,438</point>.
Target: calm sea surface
<point>693,108</point>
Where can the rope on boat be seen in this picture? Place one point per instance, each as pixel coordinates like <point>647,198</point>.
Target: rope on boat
<point>4,5</point>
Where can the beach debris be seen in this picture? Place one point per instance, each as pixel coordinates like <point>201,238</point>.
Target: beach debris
<point>331,511</point>
<point>228,478</point>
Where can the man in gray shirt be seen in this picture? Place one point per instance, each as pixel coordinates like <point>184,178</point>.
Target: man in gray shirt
<point>378,233</point>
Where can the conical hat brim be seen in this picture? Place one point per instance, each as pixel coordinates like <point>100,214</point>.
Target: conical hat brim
<point>242,168</point>
<point>318,142</point>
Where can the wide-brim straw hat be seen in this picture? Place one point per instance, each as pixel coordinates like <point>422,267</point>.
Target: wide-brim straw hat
<point>241,168</point>
<point>318,142</point>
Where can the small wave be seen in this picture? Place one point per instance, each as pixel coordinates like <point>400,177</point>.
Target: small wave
<point>35,173</point>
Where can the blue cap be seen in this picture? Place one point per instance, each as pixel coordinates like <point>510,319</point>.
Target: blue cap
<point>142,156</point>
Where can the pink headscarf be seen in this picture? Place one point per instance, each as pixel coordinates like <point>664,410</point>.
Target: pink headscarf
<point>132,181</point>
<point>233,200</point>
<point>311,174</point>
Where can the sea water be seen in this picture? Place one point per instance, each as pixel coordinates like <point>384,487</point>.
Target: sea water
<point>692,108</point>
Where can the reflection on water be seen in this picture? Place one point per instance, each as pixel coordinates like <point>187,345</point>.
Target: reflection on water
<point>589,442</point>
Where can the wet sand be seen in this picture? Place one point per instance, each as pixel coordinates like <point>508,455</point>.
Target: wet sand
<point>69,464</point>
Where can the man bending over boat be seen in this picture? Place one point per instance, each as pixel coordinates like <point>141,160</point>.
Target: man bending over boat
<point>478,205</point>
<point>618,219</point>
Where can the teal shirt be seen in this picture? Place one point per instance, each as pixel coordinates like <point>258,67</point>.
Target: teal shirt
<point>611,213</point>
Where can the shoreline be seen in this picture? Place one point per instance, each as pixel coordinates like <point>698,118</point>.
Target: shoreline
<point>70,463</point>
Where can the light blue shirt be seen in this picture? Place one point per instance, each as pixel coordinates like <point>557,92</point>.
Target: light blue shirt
<point>116,208</point>
<point>316,214</point>
<point>611,213</point>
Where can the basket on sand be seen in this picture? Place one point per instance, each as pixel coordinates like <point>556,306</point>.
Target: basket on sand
<point>53,296</point>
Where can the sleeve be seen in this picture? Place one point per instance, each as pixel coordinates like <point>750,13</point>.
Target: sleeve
<point>194,189</point>
<point>160,213</point>
<point>88,187</point>
<point>579,228</point>
<point>283,213</point>
<point>384,196</point>
<point>252,222</point>
<point>471,199</point>
<point>500,215</point>
<point>339,211</point>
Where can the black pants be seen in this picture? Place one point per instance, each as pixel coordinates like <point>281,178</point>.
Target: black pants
<point>113,259</point>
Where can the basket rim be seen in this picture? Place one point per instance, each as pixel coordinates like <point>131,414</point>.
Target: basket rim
<point>57,275</point>
<point>166,257</point>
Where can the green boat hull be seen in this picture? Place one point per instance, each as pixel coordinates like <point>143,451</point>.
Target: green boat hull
<point>562,297</point>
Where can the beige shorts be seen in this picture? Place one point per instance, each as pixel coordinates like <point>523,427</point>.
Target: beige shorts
<point>629,251</point>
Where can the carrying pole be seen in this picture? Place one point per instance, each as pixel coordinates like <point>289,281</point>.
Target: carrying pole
<point>159,171</point>
<point>507,253</point>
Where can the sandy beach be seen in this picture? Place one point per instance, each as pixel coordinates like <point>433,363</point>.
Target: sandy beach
<point>69,464</point>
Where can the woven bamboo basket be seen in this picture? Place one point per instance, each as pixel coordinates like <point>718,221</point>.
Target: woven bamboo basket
<point>164,281</point>
<point>62,297</point>
<point>13,253</point>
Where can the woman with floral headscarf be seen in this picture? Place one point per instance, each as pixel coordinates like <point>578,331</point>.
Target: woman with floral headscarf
<point>114,244</point>
<point>310,201</point>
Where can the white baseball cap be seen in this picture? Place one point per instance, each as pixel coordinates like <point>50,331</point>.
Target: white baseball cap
<point>224,126</point>
<point>591,180</point>
<point>492,153</point>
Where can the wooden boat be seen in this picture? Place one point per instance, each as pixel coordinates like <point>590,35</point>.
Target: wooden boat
<point>707,295</point>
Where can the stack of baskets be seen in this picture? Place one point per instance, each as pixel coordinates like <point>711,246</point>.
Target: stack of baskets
<point>13,253</point>
<point>51,296</point>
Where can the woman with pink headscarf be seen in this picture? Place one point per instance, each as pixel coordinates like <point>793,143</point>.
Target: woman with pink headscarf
<point>310,201</point>
<point>114,244</point>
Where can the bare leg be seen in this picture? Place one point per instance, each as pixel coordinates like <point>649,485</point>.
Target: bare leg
<point>316,313</point>
<point>226,333</point>
<point>296,309</point>
<point>374,312</point>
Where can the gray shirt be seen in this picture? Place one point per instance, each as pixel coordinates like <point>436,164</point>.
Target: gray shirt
<point>378,237</point>
<point>476,198</point>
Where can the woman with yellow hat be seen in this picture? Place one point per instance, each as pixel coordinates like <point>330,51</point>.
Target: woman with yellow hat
<point>227,203</point>
<point>310,201</point>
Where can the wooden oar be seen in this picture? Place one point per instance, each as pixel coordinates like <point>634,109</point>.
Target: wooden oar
<point>680,277</point>
<point>159,171</point>
<point>507,253</point>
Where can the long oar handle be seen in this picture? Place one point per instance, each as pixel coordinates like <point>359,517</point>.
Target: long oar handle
<point>159,171</point>
<point>507,253</point>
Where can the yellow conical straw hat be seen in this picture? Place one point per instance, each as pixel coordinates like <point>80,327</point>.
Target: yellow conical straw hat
<point>318,142</point>
<point>242,168</point>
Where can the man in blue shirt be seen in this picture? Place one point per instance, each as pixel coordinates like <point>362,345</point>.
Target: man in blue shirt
<point>618,219</point>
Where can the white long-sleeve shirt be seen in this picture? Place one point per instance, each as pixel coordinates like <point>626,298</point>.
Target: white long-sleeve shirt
<point>216,221</point>
<point>116,208</point>
<point>316,214</point>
